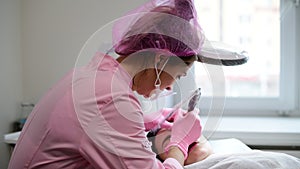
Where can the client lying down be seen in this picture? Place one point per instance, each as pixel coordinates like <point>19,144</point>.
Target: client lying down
<point>201,156</point>
<point>197,151</point>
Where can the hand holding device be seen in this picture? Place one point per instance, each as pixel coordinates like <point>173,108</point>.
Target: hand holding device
<point>160,119</point>
<point>193,100</point>
<point>185,130</point>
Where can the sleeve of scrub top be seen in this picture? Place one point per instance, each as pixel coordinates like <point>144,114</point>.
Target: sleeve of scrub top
<point>116,138</point>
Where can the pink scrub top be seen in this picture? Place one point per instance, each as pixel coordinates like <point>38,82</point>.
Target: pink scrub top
<point>90,119</point>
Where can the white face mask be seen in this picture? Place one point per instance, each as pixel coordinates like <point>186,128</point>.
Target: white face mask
<point>157,92</point>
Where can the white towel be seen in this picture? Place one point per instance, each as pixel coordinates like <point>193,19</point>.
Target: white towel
<point>254,159</point>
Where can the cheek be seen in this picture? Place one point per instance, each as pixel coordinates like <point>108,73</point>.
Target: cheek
<point>167,80</point>
<point>163,156</point>
<point>192,158</point>
<point>197,154</point>
<point>146,83</point>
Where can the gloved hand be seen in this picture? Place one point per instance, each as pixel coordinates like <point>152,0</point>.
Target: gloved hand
<point>185,130</point>
<point>151,120</point>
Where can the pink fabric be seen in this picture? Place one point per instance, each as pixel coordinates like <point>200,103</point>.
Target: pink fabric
<point>153,119</point>
<point>91,120</point>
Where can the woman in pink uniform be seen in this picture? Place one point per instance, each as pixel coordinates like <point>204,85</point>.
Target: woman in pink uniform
<point>92,119</point>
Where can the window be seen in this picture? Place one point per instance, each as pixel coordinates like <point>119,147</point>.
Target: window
<point>266,29</point>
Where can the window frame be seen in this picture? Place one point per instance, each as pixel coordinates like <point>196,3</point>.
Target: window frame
<point>287,103</point>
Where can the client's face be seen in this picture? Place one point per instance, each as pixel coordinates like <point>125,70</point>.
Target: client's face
<point>198,151</point>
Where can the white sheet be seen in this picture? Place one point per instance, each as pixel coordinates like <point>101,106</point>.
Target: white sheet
<point>249,160</point>
<point>229,146</point>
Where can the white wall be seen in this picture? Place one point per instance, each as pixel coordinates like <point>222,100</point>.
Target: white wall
<point>39,42</point>
<point>10,71</point>
<point>54,31</point>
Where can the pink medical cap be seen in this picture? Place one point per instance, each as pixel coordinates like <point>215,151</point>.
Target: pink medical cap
<point>162,25</point>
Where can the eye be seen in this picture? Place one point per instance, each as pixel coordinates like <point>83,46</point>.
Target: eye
<point>168,88</point>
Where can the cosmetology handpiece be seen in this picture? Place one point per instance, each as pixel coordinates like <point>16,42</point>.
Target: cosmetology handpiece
<point>193,100</point>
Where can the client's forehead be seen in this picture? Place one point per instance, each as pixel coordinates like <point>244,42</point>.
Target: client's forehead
<point>161,139</point>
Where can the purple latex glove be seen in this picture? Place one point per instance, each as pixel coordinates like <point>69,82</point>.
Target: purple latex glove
<point>185,130</point>
<point>151,120</point>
